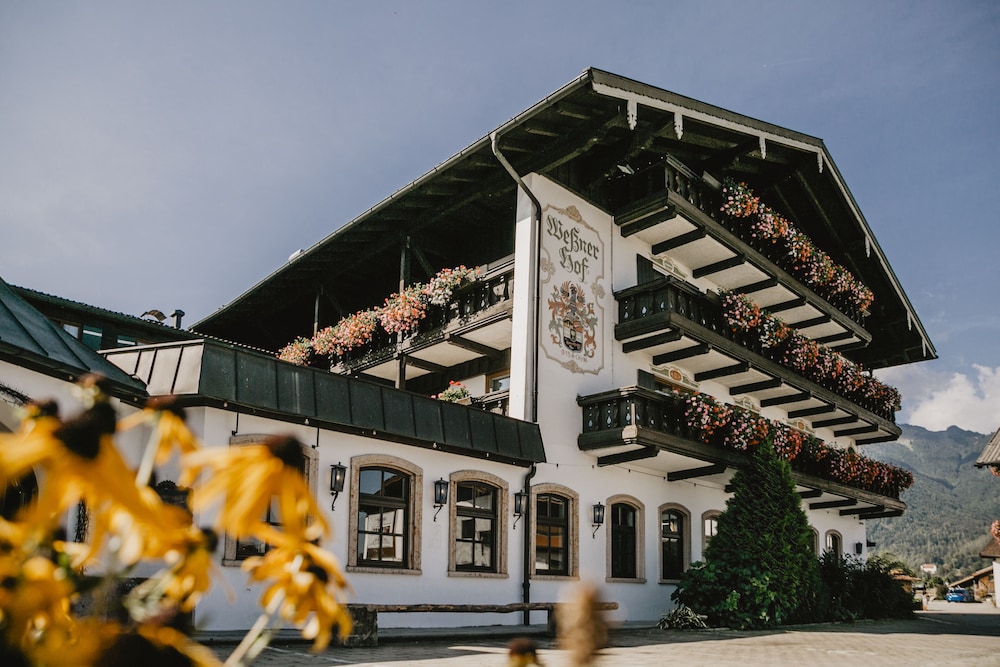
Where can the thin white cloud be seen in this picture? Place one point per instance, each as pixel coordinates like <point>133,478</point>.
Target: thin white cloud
<point>938,400</point>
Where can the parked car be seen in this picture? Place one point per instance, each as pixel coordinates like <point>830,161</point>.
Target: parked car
<point>960,595</point>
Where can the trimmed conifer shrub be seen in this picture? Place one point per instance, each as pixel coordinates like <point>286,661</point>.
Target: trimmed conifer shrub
<point>760,568</point>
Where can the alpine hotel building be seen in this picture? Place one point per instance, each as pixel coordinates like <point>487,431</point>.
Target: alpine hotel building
<point>661,283</point>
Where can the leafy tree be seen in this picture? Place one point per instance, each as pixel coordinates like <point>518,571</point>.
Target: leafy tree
<point>760,569</point>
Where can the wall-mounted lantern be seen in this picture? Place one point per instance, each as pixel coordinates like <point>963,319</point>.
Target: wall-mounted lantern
<point>338,474</point>
<point>440,496</point>
<point>598,518</point>
<point>858,548</point>
<point>520,503</point>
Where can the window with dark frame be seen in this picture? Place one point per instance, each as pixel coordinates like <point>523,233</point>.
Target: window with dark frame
<point>624,553</point>
<point>671,544</point>
<point>475,527</point>
<point>383,517</point>
<point>250,546</point>
<point>551,534</point>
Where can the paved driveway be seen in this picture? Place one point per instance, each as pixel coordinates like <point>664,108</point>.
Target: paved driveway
<point>946,634</point>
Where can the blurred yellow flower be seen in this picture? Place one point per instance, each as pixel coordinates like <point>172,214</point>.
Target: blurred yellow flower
<point>170,428</point>
<point>306,588</point>
<point>246,478</point>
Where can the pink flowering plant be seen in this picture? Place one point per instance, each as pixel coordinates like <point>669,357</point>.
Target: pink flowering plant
<point>810,264</point>
<point>298,352</point>
<point>349,333</point>
<point>810,359</point>
<point>439,288</point>
<point>403,310</point>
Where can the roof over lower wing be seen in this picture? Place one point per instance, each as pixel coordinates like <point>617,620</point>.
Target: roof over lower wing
<point>216,374</point>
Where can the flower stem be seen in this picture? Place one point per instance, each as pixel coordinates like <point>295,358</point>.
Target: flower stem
<point>148,458</point>
<point>256,633</point>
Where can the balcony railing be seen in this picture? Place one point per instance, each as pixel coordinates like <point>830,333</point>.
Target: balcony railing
<point>656,301</point>
<point>691,188</point>
<point>496,402</point>
<point>467,303</point>
<point>657,420</point>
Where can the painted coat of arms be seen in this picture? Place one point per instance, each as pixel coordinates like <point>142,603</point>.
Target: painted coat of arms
<point>573,325</point>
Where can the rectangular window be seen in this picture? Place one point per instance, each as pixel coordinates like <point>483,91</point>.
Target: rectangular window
<point>623,541</point>
<point>476,520</point>
<point>383,517</point>
<point>551,535</point>
<point>91,337</point>
<point>671,544</point>
<point>239,547</point>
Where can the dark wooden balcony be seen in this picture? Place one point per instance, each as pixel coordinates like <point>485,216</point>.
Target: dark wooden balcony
<point>475,324</point>
<point>676,324</point>
<point>681,218</point>
<point>634,424</point>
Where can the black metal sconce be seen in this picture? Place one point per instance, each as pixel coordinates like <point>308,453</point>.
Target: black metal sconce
<point>598,518</point>
<point>520,503</point>
<point>858,548</point>
<point>440,496</point>
<point>338,474</point>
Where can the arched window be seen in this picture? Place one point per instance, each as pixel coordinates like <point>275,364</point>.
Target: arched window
<point>675,542</point>
<point>709,527</point>
<point>834,543</point>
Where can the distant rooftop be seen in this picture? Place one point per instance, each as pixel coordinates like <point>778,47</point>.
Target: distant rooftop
<point>30,340</point>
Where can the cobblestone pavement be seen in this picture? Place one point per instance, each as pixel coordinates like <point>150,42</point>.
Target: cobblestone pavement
<point>946,634</point>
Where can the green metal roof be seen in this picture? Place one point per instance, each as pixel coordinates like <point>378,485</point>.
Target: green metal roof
<point>30,340</point>
<point>213,373</point>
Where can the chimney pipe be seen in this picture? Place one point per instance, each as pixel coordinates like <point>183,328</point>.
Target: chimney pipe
<point>177,315</point>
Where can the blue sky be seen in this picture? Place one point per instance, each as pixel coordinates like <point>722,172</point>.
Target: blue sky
<point>170,155</point>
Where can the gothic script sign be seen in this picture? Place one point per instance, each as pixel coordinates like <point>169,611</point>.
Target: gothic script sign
<point>572,269</point>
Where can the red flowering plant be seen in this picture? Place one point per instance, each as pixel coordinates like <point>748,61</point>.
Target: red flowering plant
<point>746,430</point>
<point>456,391</point>
<point>741,313</point>
<point>739,200</point>
<point>298,352</point>
<point>743,431</point>
<point>995,530</point>
<point>439,288</point>
<point>811,359</point>
<point>403,310</point>
<point>787,441</point>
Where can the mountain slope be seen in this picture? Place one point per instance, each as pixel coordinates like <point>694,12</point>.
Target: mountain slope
<point>950,505</point>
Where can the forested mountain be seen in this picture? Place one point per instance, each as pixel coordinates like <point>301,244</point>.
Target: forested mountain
<point>950,505</point>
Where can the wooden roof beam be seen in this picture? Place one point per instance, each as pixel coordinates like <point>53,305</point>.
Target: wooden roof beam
<point>783,400</point>
<point>720,266</point>
<point>625,457</point>
<point>754,387</point>
<point>694,473</point>
<point>678,241</point>
<point>725,371</point>
<point>677,355</point>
